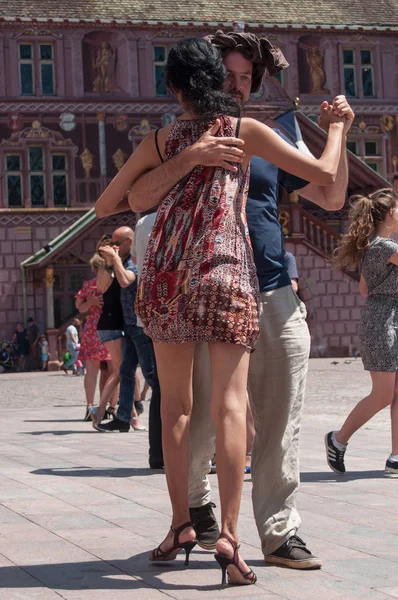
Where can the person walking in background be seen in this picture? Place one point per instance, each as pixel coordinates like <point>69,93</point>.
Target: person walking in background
<point>72,341</point>
<point>142,234</point>
<point>368,246</point>
<point>109,327</point>
<point>92,351</point>
<point>21,341</point>
<point>45,354</point>
<point>135,349</point>
<point>33,333</point>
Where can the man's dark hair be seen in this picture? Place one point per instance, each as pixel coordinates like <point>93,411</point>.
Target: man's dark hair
<point>394,177</point>
<point>195,68</point>
<point>260,51</point>
<point>30,320</point>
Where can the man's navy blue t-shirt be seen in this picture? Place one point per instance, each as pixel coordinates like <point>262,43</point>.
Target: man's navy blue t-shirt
<point>266,232</point>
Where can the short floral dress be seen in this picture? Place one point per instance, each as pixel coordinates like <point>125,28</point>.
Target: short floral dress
<point>379,316</point>
<point>198,281</point>
<point>91,347</point>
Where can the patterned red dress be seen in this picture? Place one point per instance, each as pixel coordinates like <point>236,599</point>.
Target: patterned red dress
<point>198,281</point>
<point>91,347</point>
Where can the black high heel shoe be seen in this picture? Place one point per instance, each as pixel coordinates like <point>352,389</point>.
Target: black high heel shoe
<point>110,413</point>
<point>231,566</point>
<point>159,555</point>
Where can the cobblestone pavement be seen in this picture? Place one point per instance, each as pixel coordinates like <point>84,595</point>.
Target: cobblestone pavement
<point>79,510</point>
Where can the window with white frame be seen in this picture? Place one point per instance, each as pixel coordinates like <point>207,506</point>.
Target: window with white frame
<point>59,177</point>
<point>40,174</point>
<point>358,73</point>
<point>159,70</point>
<point>36,69</point>
<point>370,150</point>
<point>352,146</point>
<point>26,70</point>
<point>36,176</point>
<point>46,66</point>
<point>14,188</point>
<point>367,79</point>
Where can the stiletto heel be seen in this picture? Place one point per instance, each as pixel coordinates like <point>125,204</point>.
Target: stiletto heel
<point>231,566</point>
<point>159,555</point>
<point>188,547</point>
<point>223,561</point>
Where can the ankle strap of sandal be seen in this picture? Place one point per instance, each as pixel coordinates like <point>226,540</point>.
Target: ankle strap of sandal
<point>230,540</point>
<point>179,530</point>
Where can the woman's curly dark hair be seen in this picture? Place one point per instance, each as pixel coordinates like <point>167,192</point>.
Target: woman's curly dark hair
<point>195,68</point>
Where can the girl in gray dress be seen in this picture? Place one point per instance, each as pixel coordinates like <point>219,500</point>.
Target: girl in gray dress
<point>368,246</point>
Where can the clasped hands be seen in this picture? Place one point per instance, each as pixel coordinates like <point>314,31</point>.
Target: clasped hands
<point>213,151</point>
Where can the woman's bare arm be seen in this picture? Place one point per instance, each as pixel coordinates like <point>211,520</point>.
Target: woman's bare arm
<point>145,158</point>
<point>210,150</point>
<point>104,280</point>
<point>393,258</point>
<point>149,188</point>
<point>363,286</point>
<point>261,140</point>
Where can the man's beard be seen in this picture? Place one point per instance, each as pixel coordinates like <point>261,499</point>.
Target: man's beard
<point>238,96</point>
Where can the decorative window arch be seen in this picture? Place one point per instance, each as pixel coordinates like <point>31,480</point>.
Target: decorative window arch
<point>38,167</point>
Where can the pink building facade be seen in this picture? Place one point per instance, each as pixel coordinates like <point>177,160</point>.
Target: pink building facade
<point>79,91</point>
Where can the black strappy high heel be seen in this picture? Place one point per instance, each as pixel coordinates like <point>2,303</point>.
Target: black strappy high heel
<point>159,555</point>
<point>231,566</point>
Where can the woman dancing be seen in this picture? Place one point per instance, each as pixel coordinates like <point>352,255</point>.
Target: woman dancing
<point>199,281</point>
<point>368,245</point>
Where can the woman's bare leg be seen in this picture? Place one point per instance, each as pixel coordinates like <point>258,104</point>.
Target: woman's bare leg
<point>137,390</point>
<point>90,380</point>
<point>104,374</point>
<point>381,396</point>
<point>135,420</point>
<point>250,433</point>
<point>114,348</point>
<point>144,391</point>
<point>229,365</point>
<point>175,365</point>
<point>394,419</point>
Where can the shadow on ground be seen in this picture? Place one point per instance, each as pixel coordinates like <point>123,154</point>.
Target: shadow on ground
<point>92,472</point>
<point>53,421</point>
<point>102,575</point>
<point>320,476</point>
<point>61,432</point>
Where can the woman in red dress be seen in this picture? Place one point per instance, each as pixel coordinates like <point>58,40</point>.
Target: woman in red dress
<point>91,348</point>
<point>198,282</point>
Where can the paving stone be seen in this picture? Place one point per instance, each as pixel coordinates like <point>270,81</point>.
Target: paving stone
<point>390,591</point>
<point>80,511</point>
